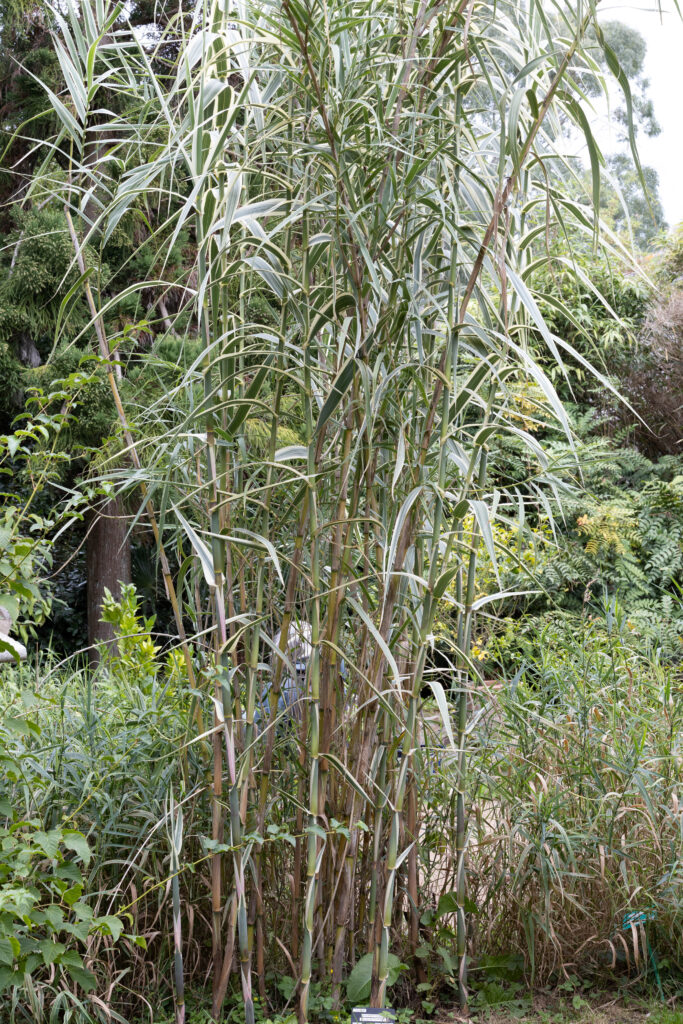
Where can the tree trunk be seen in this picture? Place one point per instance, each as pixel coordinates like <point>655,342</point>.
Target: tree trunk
<point>108,566</point>
<point>27,351</point>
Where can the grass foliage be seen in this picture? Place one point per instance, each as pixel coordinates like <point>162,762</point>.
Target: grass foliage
<point>294,803</point>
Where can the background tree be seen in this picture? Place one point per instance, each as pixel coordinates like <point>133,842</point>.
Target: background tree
<point>630,48</point>
<point>630,208</point>
<point>630,202</point>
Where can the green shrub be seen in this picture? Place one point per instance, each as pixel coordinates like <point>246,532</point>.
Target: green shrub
<point>46,917</point>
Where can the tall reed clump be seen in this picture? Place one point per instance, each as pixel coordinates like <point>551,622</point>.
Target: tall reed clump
<point>376,174</point>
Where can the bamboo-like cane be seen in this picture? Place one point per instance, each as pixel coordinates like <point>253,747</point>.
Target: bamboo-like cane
<point>132,450</point>
<point>176,843</point>
<point>313,674</point>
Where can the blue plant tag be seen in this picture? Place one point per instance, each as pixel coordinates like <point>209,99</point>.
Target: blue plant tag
<point>638,917</point>
<point>371,1015</point>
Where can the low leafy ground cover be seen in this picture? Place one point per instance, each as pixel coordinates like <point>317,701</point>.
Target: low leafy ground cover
<point>600,1007</point>
<point>603,1008</point>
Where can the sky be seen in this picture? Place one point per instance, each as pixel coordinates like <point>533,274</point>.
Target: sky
<point>664,67</point>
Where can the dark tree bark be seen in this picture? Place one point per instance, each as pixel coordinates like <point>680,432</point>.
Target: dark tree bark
<point>27,352</point>
<point>108,566</point>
